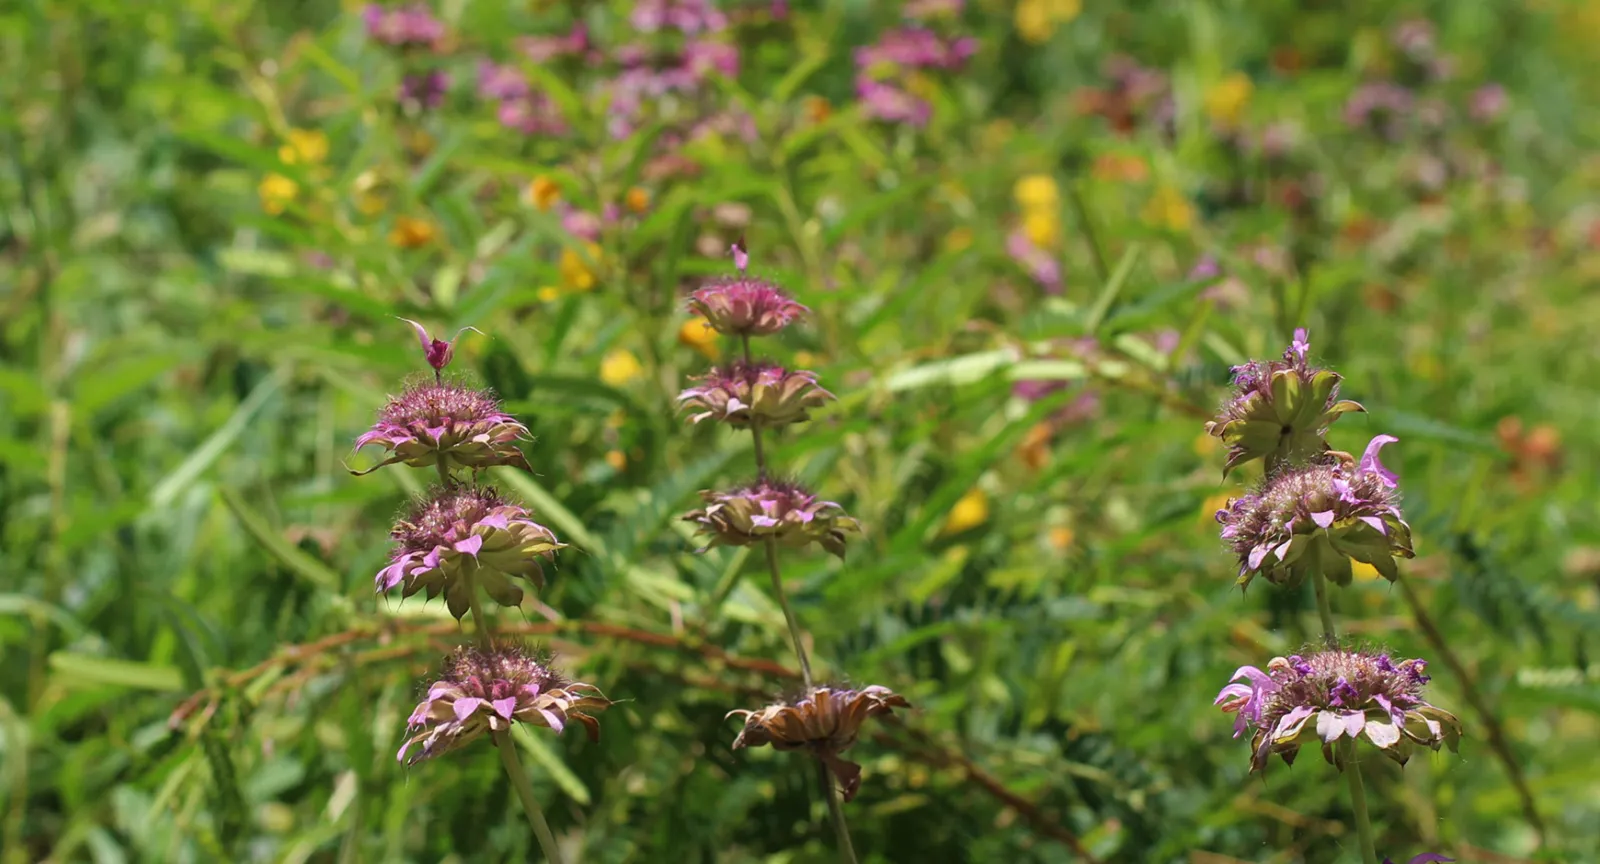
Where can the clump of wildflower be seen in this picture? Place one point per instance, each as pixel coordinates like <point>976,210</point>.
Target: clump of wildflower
<point>1330,694</point>
<point>490,691</point>
<point>1280,410</point>
<point>745,305</point>
<point>757,392</point>
<point>402,26</point>
<point>825,721</point>
<point>1318,519</point>
<point>783,512</point>
<point>460,538</point>
<point>425,90</point>
<point>686,16</point>
<point>439,422</point>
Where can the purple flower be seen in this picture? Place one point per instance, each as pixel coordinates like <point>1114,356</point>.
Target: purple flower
<point>402,26</point>
<point>1042,267</point>
<point>1379,106</point>
<point>533,114</point>
<point>489,691</point>
<point>769,509</point>
<point>461,538</point>
<point>1331,694</point>
<point>915,48</point>
<point>1416,38</point>
<point>1315,520</point>
<point>438,351</point>
<point>745,305</point>
<point>501,81</point>
<point>1280,410</point>
<point>442,422</point>
<point>1488,103</point>
<point>703,57</point>
<point>425,90</point>
<point>890,104</point>
<point>685,16</point>
<point>543,49</point>
<point>580,223</point>
<point>1205,269</point>
<point>761,394</point>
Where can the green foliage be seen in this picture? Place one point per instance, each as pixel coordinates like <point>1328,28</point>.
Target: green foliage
<point>211,214</point>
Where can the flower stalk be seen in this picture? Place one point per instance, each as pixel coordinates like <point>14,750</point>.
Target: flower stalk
<point>1352,773</point>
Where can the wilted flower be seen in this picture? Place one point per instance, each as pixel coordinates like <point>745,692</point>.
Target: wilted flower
<point>1317,519</point>
<point>464,536</point>
<point>489,691</point>
<point>1327,695</point>
<point>434,422</point>
<point>759,393</point>
<point>825,721</point>
<point>745,305</point>
<point>402,26</point>
<point>425,90</point>
<point>1280,410</point>
<point>769,509</point>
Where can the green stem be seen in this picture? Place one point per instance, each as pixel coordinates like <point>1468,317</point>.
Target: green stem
<point>847,849</point>
<point>530,805</point>
<point>1352,768</point>
<point>788,614</point>
<point>755,425</point>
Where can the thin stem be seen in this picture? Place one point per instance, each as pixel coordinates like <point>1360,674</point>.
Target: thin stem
<point>1469,688</point>
<point>788,614</point>
<point>444,471</point>
<point>530,805</point>
<point>755,424</point>
<point>1352,768</point>
<point>1358,802</point>
<point>847,849</point>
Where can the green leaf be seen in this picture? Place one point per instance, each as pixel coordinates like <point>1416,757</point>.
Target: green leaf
<point>568,527</point>
<point>167,491</point>
<point>1113,287</point>
<point>78,670</point>
<point>288,555</point>
<point>545,757</point>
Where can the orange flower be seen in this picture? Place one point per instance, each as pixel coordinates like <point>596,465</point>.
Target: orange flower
<point>410,232</point>
<point>637,199</point>
<point>543,192</point>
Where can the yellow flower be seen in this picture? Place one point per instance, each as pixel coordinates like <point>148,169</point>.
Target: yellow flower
<point>619,367</point>
<point>1210,506</point>
<point>305,147</point>
<point>1043,227</point>
<point>543,192</point>
<point>549,294</point>
<point>696,333</point>
<point>637,199</point>
<point>1364,571</point>
<point>958,239</point>
<point>1206,445</point>
<point>816,109</point>
<point>1061,538</point>
<point>1168,209</point>
<point>969,512</point>
<point>276,192</point>
<point>410,232</point>
<point>369,200</point>
<point>1037,20</point>
<point>1037,192</point>
<point>616,459</point>
<point>1226,99</point>
<point>575,272</point>
<point>805,359</point>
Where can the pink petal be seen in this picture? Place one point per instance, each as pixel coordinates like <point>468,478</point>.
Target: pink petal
<point>469,546</point>
<point>505,707</point>
<point>1353,722</point>
<point>1323,518</point>
<point>422,332</point>
<point>1369,460</point>
<point>1329,726</point>
<point>466,706</point>
<point>553,719</point>
<point>1375,522</point>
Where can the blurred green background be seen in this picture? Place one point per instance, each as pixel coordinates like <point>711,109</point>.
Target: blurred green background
<point>211,210</point>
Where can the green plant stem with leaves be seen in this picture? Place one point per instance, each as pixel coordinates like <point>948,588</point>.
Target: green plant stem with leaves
<point>1347,746</point>
<point>502,738</point>
<point>847,851</point>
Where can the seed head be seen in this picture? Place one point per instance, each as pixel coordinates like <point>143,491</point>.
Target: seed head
<point>1280,410</point>
<point>1317,519</point>
<point>467,530</point>
<point>760,393</point>
<point>1326,695</point>
<point>489,691</point>
<point>826,721</point>
<point>440,421</point>
<point>771,509</point>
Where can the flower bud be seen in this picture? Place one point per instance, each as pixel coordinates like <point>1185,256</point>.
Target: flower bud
<point>1327,695</point>
<point>465,536</point>
<point>441,422</point>
<point>489,691</point>
<point>761,394</point>
<point>1280,410</point>
<point>438,351</point>
<point>1317,519</point>
<point>825,721</point>
<point>780,511</point>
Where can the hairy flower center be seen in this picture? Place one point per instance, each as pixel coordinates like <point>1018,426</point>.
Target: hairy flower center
<point>447,516</point>
<point>436,403</point>
<point>1342,680</point>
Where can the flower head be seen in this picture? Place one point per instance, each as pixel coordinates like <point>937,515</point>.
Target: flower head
<point>440,421</point>
<point>1317,519</point>
<point>745,305</point>
<point>489,691</point>
<point>1327,695</point>
<point>757,393</point>
<point>825,721</point>
<point>467,531</point>
<point>1280,410</point>
<point>402,26</point>
<point>770,509</point>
